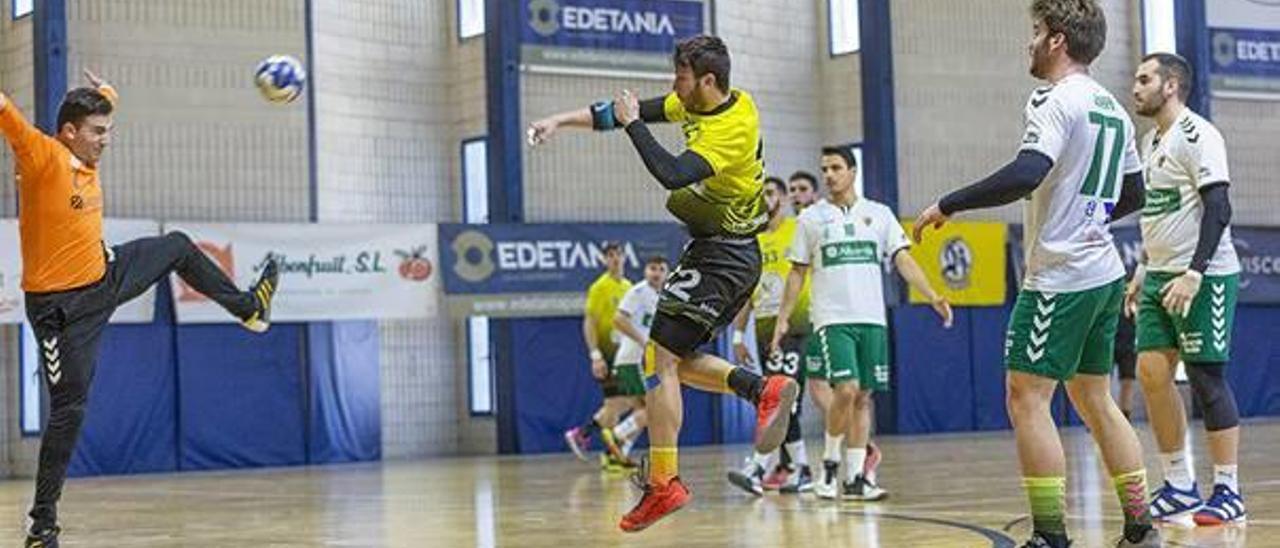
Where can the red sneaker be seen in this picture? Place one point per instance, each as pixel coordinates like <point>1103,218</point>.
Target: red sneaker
<point>773,413</point>
<point>776,478</point>
<point>657,502</point>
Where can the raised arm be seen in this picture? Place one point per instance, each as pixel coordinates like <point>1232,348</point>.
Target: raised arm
<point>598,116</point>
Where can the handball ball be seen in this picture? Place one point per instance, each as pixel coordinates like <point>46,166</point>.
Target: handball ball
<point>280,78</point>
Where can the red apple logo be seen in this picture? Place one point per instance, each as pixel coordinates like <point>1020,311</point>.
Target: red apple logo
<point>413,266</point>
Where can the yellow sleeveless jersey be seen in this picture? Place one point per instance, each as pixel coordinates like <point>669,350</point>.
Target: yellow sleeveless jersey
<point>767,299</point>
<point>730,202</point>
<point>602,304</point>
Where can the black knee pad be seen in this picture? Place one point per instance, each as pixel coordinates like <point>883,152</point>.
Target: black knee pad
<point>1217,403</point>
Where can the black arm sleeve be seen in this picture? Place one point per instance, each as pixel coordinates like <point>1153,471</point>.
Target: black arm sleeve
<point>1217,215</point>
<point>653,110</point>
<point>671,171</point>
<point>1006,185</point>
<point>1133,196</point>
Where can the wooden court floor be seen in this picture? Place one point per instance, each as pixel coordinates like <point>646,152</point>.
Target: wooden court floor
<point>953,490</point>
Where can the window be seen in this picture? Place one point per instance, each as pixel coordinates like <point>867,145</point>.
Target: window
<point>479,365</point>
<point>475,180</point>
<point>22,8</point>
<point>844,34</point>
<point>1158,28</point>
<point>475,209</point>
<point>470,18</point>
<point>29,389</point>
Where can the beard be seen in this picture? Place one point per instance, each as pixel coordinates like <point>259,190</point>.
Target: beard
<point>1039,60</point>
<point>1151,105</point>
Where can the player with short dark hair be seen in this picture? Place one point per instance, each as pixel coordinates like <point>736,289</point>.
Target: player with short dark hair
<point>1184,295</point>
<point>844,241</point>
<point>634,360</point>
<point>716,190</point>
<point>73,282</point>
<point>602,346</point>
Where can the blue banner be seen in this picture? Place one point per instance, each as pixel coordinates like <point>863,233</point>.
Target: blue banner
<point>629,25</point>
<point>1258,248</point>
<point>1246,52</point>
<point>633,35</point>
<point>541,269</point>
<point>1245,60</point>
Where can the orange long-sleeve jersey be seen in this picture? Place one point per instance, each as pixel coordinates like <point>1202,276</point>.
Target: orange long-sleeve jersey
<point>59,208</point>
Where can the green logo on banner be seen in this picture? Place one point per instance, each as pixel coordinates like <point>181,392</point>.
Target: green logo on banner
<point>845,253</point>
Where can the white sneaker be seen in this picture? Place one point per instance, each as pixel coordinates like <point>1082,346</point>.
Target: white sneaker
<point>862,490</point>
<point>828,488</point>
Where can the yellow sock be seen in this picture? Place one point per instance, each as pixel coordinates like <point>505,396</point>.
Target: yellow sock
<point>663,464</point>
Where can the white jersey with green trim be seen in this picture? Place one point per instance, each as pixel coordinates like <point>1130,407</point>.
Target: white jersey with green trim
<point>641,304</point>
<point>846,248</point>
<point>1188,157</point>
<point>1082,129</point>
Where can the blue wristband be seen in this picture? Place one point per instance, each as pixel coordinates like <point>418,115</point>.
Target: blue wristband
<point>602,118</point>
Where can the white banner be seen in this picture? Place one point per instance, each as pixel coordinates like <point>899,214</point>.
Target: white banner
<point>115,232</point>
<point>327,271</point>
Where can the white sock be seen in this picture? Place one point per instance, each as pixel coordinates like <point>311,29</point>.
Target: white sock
<point>853,462</point>
<point>799,457</point>
<point>626,447</point>
<point>627,429</point>
<point>1225,474</point>
<point>1177,470</point>
<point>761,460</point>
<point>832,450</point>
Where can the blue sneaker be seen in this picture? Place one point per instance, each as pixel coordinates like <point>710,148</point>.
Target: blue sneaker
<point>1225,506</point>
<point>1169,503</point>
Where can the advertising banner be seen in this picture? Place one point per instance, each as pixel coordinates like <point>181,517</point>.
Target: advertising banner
<point>623,36</point>
<point>521,270</point>
<point>327,271</point>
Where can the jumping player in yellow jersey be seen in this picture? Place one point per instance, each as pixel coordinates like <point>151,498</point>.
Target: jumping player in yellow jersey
<point>717,190</point>
<point>603,298</point>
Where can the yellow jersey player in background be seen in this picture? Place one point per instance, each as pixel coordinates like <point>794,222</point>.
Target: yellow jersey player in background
<point>791,473</point>
<point>602,345</point>
<point>716,188</point>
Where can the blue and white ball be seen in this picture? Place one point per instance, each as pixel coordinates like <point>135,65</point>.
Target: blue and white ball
<point>280,78</point>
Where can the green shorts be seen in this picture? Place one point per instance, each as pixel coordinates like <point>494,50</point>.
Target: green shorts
<point>629,379</point>
<point>1057,335</point>
<point>852,353</point>
<point>1205,334</point>
<point>814,366</point>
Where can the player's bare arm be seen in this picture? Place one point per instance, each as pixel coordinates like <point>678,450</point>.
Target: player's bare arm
<point>911,272</point>
<point>622,323</point>
<point>790,294</point>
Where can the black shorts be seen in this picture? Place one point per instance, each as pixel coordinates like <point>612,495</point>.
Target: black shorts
<point>712,281</point>
<point>789,361</point>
